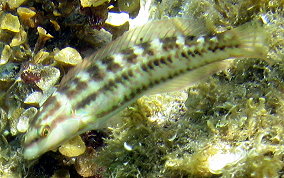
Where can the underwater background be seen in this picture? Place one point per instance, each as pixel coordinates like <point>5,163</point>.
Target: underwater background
<point>228,125</point>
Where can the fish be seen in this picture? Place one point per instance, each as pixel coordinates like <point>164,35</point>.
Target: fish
<point>160,56</point>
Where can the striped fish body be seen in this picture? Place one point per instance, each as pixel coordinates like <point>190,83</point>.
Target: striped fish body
<point>130,67</point>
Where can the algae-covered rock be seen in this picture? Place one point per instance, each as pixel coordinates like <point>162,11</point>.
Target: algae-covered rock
<point>86,166</point>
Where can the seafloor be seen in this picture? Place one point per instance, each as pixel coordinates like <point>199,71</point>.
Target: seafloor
<point>229,125</point>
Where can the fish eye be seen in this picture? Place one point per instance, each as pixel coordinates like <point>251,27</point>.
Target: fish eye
<point>44,131</point>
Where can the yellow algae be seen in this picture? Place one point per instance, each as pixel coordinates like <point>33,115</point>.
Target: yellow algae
<point>25,12</point>
<point>14,3</point>
<point>19,38</point>
<point>40,57</point>
<point>43,35</point>
<point>10,22</point>
<point>26,15</point>
<point>33,99</point>
<point>55,25</point>
<point>74,147</point>
<point>42,38</point>
<point>68,56</point>
<point>92,3</point>
<point>13,120</point>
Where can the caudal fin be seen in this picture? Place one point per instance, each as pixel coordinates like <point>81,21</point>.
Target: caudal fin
<point>252,39</point>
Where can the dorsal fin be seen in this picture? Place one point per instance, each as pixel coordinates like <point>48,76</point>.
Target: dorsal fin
<point>149,31</point>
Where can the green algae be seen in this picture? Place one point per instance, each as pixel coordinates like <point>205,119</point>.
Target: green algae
<point>136,147</point>
<point>239,109</point>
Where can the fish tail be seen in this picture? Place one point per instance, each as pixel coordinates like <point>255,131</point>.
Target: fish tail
<point>251,39</point>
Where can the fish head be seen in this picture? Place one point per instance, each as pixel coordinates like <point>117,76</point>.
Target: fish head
<point>53,125</point>
<point>39,140</point>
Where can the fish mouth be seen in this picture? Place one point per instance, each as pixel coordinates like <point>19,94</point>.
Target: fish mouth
<point>31,151</point>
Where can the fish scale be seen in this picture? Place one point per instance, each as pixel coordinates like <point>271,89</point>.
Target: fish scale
<point>135,64</point>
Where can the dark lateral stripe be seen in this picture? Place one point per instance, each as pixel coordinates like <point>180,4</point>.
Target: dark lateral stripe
<point>146,67</point>
<point>87,100</point>
<point>81,85</point>
<point>72,93</point>
<point>150,65</point>
<point>139,89</point>
<point>169,77</point>
<point>51,112</point>
<point>110,85</point>
<point>57,121</point>
<point>126,99</point>
<point>136,91</point>
<point>132,58</point>
<point>127,75</point>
